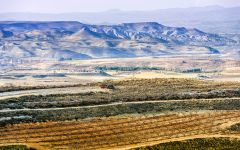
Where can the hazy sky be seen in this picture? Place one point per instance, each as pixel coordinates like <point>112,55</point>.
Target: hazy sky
<point>61,6</point>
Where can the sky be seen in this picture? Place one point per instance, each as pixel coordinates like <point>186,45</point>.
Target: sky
<point>65,6</point>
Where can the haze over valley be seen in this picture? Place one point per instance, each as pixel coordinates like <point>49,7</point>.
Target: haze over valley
<point>213,19</point>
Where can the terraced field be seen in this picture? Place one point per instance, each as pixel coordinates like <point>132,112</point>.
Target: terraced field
<point>122,132</point>
<point>133,114</point>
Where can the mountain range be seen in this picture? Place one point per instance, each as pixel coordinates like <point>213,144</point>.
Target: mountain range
<point>75,40</point>
<point>214,19</point>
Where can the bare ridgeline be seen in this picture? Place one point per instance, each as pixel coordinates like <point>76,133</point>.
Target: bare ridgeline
<point>69,85</point>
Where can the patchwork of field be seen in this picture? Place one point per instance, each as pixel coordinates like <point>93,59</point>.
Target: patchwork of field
<point>122,132</point>
<point>120,114</point>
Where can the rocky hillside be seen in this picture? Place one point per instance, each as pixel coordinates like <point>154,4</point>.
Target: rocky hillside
<point>74,40</point>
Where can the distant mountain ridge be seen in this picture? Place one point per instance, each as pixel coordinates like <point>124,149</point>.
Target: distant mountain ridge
<point>76,40</point>
<point>214,19</point>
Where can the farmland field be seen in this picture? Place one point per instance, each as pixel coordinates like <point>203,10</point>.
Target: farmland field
<point>122,114</point>
<point>122,132</point>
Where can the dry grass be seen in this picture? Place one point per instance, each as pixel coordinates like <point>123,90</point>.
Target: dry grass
<point>197,144</point>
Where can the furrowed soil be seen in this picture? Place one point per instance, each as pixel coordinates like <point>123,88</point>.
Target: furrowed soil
<point>122,132</point>
<point>121,115</point>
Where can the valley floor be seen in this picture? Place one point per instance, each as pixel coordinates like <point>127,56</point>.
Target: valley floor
<point>65,73</point>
